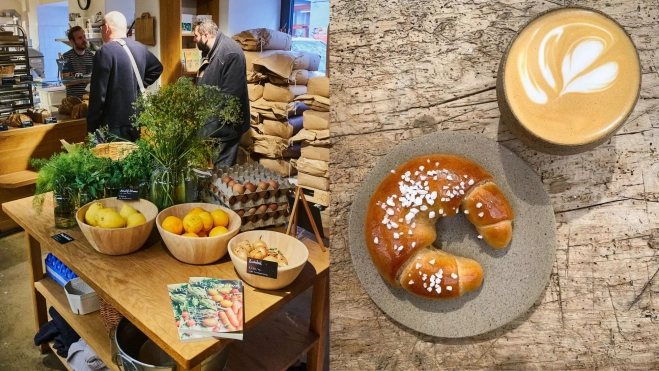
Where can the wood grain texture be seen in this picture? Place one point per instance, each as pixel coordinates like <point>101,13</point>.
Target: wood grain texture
<point>402,69</point>
<point>135,284</point>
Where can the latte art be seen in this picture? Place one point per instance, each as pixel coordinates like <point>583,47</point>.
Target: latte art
<point>570,77</point>
<point>581,70</point>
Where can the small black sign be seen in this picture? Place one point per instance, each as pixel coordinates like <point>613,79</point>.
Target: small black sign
<point>8,81</point>
<point>62,238</point>
<point>4,127</point>
<point>26,78</point>
<point>50,120</point>
<point>128,194</point>
<point>27,124</point>
<point>262,267</point>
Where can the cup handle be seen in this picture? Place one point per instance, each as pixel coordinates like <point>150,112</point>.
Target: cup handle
<point>116,359</point>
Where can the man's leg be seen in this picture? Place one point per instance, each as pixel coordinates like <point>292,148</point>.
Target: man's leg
<point>228,153</point>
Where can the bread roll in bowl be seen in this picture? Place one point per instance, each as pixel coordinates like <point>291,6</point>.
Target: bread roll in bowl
<point>401,218</point>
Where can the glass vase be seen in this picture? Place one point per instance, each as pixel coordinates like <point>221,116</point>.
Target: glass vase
<point>65,206</point>
<point>167,187</point>
<point>84,197</point>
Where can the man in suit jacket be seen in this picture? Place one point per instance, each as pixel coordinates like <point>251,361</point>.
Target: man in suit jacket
<point>114,86</point>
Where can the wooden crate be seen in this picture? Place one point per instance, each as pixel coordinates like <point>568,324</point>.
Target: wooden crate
<point>316,196</point>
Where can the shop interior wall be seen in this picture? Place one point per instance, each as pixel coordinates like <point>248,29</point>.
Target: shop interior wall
<point>152,7</point>
<point>246,14</point>
<point>52,24</point>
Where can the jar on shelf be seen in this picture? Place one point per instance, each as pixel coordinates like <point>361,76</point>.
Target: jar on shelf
<point>167,187</point>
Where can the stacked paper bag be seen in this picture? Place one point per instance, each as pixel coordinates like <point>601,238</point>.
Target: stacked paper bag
<point>276,76</point>
<point>313,164</point>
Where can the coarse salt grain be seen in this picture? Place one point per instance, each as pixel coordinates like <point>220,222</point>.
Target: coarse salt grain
<point>411,282</point>
<point>465,176</point>
<point>429,289</point>
<point>470,182</point>
<point>480,215</point>
<point>432,262</point>
<point>396,236</point>
<point>454,276</point>
<point>423,208</point>
<point>449,288</point>
<point>413,244</point>
<point>409,232</point>
<point>393,171</point>
<point>375,240</point>
<point>438,289</point>
<point>425,285</point>
<point>391,203</point>
<point>466,211</point>
<point>390,212</point>
<point>417,266</point>
<point>400,248</point>
<point>479,205</point>
<point>449,177</point>
<point>480,237</point>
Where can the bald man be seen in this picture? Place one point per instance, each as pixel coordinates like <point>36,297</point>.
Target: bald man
<point>114,86</point>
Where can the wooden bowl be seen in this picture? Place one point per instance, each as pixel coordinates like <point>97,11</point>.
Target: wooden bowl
<point>203,250</point>
<point>293,249</point>
<point>118,241</point>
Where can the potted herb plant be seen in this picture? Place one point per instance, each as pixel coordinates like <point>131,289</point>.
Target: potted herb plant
<point>172,120</point>
<point>57,175</point>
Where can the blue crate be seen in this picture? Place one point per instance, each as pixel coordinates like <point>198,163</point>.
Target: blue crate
<point>58,271</point>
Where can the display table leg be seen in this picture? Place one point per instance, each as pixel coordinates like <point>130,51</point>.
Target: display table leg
<point>319,322</point>
<point>36,274</point>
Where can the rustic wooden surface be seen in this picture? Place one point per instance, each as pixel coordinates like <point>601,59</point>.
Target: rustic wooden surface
<point>404,68</point>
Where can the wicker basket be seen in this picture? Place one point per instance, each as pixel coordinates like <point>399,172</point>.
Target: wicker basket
<point>114,150</point>
<point>110,316</point>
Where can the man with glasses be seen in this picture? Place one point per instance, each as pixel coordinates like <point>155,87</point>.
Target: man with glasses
<point>114,81</point>
<point>223,66</point>
<point>78,60</point>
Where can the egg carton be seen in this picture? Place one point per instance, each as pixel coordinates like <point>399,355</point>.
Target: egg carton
<point>252,173</point>
<point>258,219</point>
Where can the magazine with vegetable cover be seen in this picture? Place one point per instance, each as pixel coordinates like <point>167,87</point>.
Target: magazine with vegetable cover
<point>215,308</point>
<point>177,295</point>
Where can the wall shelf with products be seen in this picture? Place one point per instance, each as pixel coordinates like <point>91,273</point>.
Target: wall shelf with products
<point>16,95</point>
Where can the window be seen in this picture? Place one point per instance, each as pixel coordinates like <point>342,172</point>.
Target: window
<point>307,21</point>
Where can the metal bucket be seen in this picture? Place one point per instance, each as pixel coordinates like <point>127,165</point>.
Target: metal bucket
<point>139,353</point>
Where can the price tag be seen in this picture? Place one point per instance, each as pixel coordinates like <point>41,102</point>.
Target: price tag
<point>8,81</point>
<point>62,238</point>
<point>26,78</point>
<point>128,194</point>
<point>50,120</point>
<point>4,127</point>
<point>262,267</point>
<point>27,124</point>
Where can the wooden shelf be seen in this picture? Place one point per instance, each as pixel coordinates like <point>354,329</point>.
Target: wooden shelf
<point>274,344</point>
<point>51,344</point>
<point>89,326</point>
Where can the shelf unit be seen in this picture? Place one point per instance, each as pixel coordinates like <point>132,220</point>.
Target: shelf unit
<point>172,39</point>
<point>89,326</point>
<point>16,97</point>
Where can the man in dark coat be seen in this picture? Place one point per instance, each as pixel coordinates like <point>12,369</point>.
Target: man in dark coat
<point>114,86</point>
<point>224,67</point>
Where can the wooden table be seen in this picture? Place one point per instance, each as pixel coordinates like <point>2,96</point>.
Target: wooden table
<point>402,69</point>
<point>136,285</point>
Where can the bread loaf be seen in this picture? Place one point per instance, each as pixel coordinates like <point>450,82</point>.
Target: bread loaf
<point>16,119</point>
<point>39,115</point>
<point>401,218</point>
<point>68,103</point>
<point>79,110</point>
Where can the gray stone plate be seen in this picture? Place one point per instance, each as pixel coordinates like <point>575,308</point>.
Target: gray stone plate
<point>514,278</point>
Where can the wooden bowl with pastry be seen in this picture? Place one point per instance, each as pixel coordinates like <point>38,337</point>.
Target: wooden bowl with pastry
<point>288,252</point>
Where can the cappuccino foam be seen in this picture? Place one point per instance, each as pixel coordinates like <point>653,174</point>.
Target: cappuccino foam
<point>572,76</point>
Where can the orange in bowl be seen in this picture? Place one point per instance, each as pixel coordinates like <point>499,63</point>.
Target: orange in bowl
<point>192,250</point>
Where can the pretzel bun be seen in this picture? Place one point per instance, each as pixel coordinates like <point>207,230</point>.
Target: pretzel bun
<point>401,218</point>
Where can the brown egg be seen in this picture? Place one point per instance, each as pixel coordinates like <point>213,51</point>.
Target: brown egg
<point>284,212</point>
<point>251,211</point>
<point>232,200</point>
<point>238,188</point>
<point>250,186</point>
<point>244,221</point>
<point>263,208</point>
<point>226,179</point>
<point>231,183</point>
<point>253,218</point>
<point>240,213</point>
<point>262,185</point>
<point>273,207</point>
<point>273,183</point>
<point>265,216</point>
